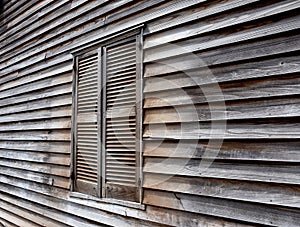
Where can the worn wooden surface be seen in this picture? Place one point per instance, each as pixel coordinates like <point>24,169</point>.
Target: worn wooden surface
<point>249,47</point>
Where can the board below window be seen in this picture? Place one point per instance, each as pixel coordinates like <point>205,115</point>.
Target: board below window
<point>107,121</point>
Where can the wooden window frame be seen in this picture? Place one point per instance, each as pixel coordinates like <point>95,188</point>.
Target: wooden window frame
<point>138,36</point>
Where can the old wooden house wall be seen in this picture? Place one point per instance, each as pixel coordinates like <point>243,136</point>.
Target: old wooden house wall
<point>252,50</point>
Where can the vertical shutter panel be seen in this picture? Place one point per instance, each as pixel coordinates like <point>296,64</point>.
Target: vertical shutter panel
<point>86,157</point>
<point>120,181</point>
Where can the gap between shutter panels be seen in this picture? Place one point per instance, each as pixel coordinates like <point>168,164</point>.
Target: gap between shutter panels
<point>121,128</point>
<point>87,129</point>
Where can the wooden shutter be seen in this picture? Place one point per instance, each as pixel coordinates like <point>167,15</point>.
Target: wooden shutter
<point>120,122</point>
<point>86,128</point>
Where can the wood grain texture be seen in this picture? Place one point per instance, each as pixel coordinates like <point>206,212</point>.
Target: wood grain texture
<point>231,209</point>
<point>251,150</point>
<point>261,172</point>
<point>251,89</point>
<point>244,14</point>
<point>224,55</point>
<point>153,214</point>
<point>200,59</point>
<point>12,206</point>
<point>221,130</point>
<point>275,194</point>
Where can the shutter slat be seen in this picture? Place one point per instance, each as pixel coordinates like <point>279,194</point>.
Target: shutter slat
<point>122,70</point>
<point>115,69</point>
<point>88,63</point>
<point>88,60</point>
<point>130,82</point>
<point>117,52</point>
<point>87,91</point>
<point>122,64</point>
<point>122,74</point>
<point>122,58</point>
<point>86,158</point>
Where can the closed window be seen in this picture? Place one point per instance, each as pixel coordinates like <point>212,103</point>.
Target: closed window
<point>107,121</point>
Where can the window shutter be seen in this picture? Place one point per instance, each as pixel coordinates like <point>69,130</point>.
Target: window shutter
<point>120,123</point>
<point>86,128</point>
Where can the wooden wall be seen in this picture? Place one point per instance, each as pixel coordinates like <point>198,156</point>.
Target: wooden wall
<point>251,49</point>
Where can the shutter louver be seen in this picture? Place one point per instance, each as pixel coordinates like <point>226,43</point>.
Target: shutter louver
<point>86,158</point>
<point>120,181</point>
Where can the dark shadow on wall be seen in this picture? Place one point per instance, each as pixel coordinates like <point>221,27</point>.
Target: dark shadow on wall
<point>1,19</point>
<point>1,8</point>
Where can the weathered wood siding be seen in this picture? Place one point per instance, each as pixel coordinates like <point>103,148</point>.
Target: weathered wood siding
<point>252,50</point>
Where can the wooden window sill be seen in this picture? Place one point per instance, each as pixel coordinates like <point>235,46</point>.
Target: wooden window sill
<point>79,197</point>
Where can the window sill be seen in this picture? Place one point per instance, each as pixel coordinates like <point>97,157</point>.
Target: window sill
<point>84,197</point>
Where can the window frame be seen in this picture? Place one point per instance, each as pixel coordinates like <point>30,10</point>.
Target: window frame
<point>137,35</point>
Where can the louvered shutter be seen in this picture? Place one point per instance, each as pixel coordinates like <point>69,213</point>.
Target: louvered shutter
<point>86,128</point>
<point>119,122</point>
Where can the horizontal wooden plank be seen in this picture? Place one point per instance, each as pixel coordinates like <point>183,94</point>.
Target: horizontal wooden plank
<point>227,54</point>
<point>277,66</point>
<point>44,12</point>
<point>53,135</point>
<point>66,13</point>
<point>8,4</point>
<point>202,43</point>
<point>34,17</point>
<point>285,174</point>
<point>223,208</point>
<point>155,214</point>
<point>34,77</point>
<point>56,123</point>
<point>135,8</point>
<point>46,146</point>
<point>27,12</point>
<point>51,180</point>
<point>43,168</point>
<point>37,213</point>
<point>38,114</point>
<point>194,13</point>
<point>223,130</point>
<point>24,68</point>
<point>59,90</point>
<point>39,219</point>
<point>245,14</point>
<point>57,101</point>
<point>12,68</point>
<point>45,189</point>
<point>42,67</point>
<point>134,20</point>
<point>250,89</point>
<point>34,156</point>
<point>42,84</point>
<point>259,150</point>
<point>7,223</point>
<point>66,17</point>
<point>18,221</point>
<point>30,23</point>
<point>78,3</point>
<point>92,215</point>
<point>276,194</point>
<point>249,109</point>
<point>17,10</point>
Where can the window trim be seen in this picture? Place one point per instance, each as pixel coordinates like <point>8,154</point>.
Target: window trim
<point>135,33</point>
<point>108,39</point>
